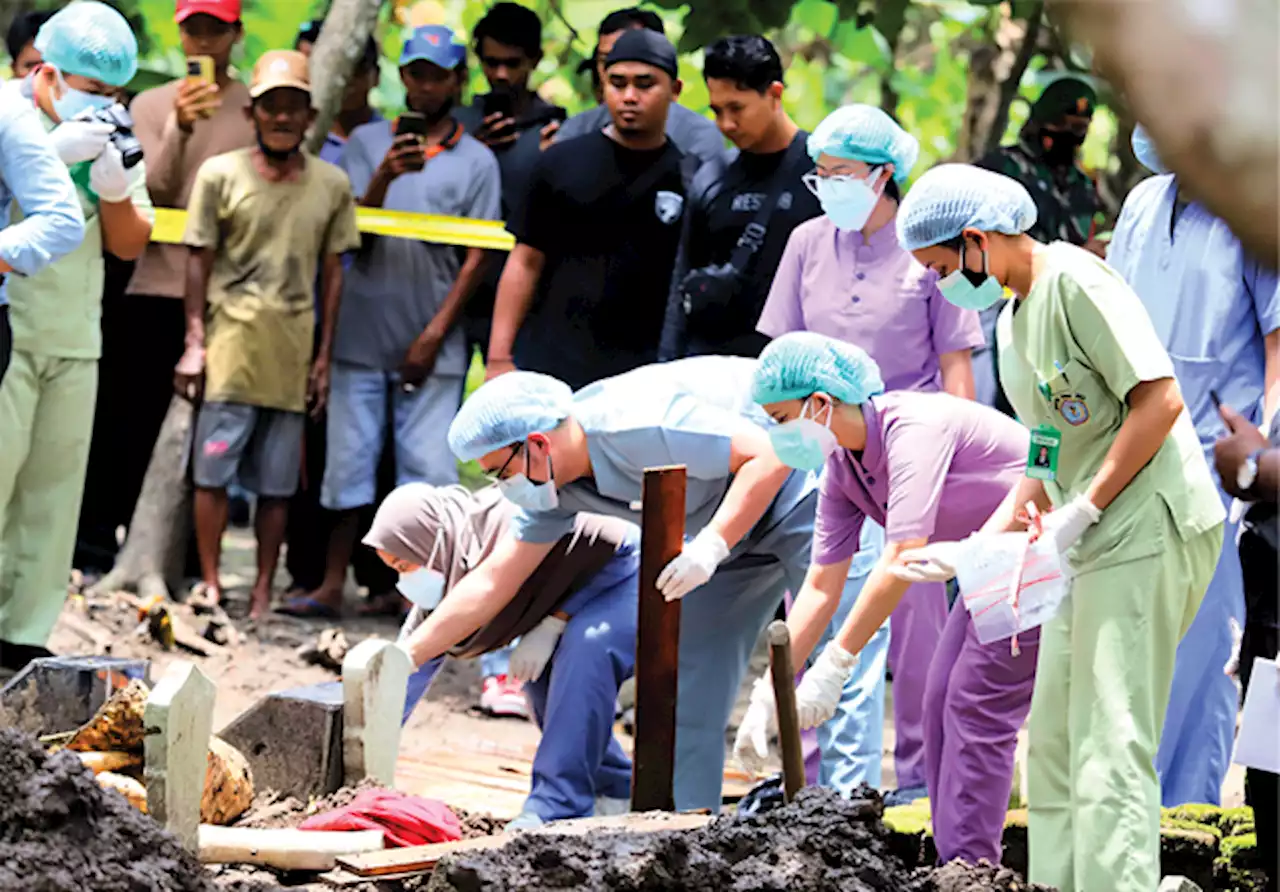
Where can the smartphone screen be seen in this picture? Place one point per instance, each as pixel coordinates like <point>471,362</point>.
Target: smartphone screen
<point>411,122</point>
<point>498,103</point>
<point>1217,400</point>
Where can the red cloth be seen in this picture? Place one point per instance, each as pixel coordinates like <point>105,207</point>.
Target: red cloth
<point>405,820</point>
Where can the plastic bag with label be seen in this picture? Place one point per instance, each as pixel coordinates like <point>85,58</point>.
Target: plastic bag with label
<point>1011,584</point>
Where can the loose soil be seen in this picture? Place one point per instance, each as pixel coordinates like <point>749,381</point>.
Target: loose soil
<point>818,843</point>
<point>61,832</point>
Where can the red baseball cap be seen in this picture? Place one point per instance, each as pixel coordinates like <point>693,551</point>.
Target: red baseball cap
<point>223,10</point>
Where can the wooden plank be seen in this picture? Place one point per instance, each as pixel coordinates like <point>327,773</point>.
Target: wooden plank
<point>419,859</point>
<point>283,849</point>
<point>374,677</point>
<point>180,708</point>
<point>784,697</point>
<point>657,641</point>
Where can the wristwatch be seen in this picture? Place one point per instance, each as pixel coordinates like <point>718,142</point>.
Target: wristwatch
<point>1248,471</point>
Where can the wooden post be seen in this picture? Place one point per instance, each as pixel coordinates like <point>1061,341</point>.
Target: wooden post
<point>657,641</point>
<point>375,674</point>
<point>179,720</point>
<point>784,695</point>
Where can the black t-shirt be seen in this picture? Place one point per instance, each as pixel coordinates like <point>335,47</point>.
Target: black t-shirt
<point>721,206</point>
<point>608,219</point>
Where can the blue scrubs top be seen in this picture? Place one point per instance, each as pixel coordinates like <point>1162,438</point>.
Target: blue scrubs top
<point>675,413</point>
<point>1211,304</point>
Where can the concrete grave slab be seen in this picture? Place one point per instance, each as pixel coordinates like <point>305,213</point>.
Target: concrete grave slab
<point>374,677</point>
<point>179,720</point>
<point>56,694</point>
<point>293,740</point>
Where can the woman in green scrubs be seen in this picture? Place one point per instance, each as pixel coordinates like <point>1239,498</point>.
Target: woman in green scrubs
<point>1116,462</point>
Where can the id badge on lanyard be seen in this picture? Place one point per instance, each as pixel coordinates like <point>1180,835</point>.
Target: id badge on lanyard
<point>1042,458</point>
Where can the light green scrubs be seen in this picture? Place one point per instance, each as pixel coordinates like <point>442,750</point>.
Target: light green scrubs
<point>46,421</point>
<point>1069,354</point>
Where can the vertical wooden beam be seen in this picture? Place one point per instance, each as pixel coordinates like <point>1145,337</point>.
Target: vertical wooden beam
<point>179,719</point>
<point>374,676</point>
<point>657,641</point>
<point>784,695</point>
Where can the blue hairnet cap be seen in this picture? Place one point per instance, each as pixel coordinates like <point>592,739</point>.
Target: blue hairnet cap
<point>507,410</point>
<point>1145,151</point>
<point>950,198</point>
<point>797,365</point>
<point>89,39</point>
<point>865,133</point>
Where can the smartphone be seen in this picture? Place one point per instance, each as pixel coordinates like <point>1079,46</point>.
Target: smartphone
<point>200,69</point>
<point>411,123</point>
<point>1217,400</point>
<point>499,102</point>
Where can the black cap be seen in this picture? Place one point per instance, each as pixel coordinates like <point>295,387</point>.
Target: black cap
<point>649,47</point>
<point>1065,96</point>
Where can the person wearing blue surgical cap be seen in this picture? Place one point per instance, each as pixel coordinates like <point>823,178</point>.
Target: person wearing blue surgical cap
<point>845,275</point>
<point>47,401</point>
<point>1132,509</point>
<point>749,518</point>
<point>924,466</point>
<point>1217,312</point>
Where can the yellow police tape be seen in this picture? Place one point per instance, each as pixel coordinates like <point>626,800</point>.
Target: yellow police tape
<point>438,230</point>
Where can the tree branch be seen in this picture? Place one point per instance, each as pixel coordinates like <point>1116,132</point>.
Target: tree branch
<point>1009,86</point>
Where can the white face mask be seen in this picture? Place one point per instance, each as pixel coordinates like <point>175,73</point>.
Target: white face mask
<point>804,443</point>
<point>529,495</point>
<point>73,102</point>
<point>424,586</point>
<point>847,201</point>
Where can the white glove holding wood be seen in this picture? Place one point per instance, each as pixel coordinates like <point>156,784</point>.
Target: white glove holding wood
<point>77,141</point>
<point>109,178</point>
<point>1067,524</point>
<point>818,693</point>
<point>751,745</point>
<point>531,655</point>
<point>694,565</point>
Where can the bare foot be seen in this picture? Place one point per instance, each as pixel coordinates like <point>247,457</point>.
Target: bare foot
<point>259,602</point>
<point>328,596</point>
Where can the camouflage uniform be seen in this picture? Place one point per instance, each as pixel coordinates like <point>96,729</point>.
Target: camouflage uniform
<point>1066,199</point>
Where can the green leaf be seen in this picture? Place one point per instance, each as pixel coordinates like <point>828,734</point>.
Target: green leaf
<point>818,16</point>
<point>864,45</point>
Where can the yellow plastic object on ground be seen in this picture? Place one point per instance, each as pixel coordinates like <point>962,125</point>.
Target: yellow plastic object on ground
<point>462,231</point>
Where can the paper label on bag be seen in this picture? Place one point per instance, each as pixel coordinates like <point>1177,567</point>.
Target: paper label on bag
<point>985,575</point>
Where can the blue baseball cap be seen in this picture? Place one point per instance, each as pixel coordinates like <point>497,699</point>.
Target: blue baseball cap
<point>435,44</point>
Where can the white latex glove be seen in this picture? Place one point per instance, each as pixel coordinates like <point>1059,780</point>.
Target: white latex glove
<point>935,562</point>
<point>1067,524</point>
<point>819,691</point>
<point>693,566</point>
<point>535,648</point>
<point>109,178</point>
<point>751,746</point>
<point>77,141</point>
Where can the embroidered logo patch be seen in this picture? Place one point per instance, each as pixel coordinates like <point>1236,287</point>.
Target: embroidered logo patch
<point>668,206</point>
<point>1073,409</point>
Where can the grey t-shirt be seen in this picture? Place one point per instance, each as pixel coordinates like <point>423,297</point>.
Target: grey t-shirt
<point>396,286</point>
<point>691,132</point>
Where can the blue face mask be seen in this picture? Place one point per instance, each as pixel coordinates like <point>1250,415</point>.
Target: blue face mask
<point>960,290</point>
<point>75,102</point>
<point>424,586</point>
<point>530,496</point>
<point>803,443</point>
<point>847,202</point>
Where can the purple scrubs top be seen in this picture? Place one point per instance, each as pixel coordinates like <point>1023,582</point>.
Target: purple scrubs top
<point>872,293</point>
<point>935,467</point>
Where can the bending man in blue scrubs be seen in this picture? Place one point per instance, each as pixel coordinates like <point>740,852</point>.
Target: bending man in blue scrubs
<point>1218,313</point>
<point>750,517</point>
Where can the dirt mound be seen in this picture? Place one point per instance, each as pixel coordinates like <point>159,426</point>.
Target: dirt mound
<point>818,843</point>
<point>61,832</point>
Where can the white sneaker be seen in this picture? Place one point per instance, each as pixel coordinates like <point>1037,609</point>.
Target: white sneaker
<point>526,820</point>
<point>504,696</point>
<point>607,807</point>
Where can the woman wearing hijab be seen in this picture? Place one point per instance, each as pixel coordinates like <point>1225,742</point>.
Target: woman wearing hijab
<point>575,618</point>
<point>845,276</point>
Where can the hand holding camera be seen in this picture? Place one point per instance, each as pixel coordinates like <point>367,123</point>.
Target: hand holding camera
<point>109,178</point>
<point>81,140</point>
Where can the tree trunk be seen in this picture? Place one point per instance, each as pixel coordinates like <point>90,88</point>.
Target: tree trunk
<point>891,16</point>
<point>1205,81</point>
<point>342,40</point>
<point>997,63</point>
<point>153,554</point>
